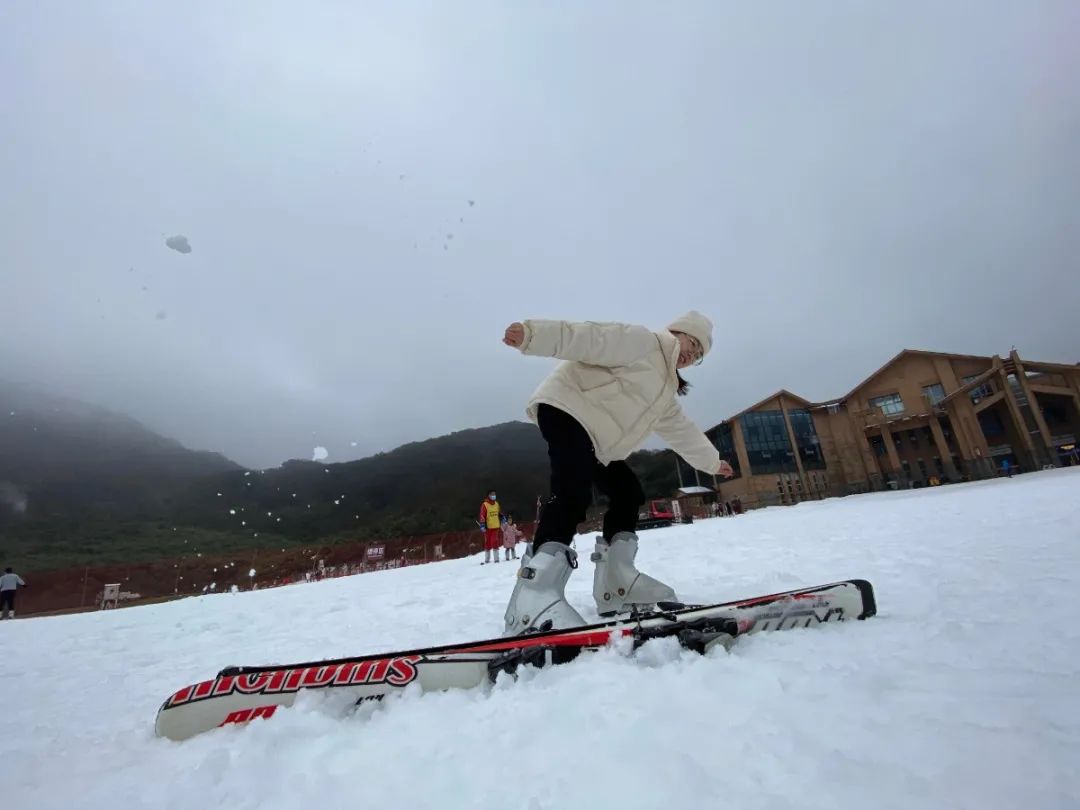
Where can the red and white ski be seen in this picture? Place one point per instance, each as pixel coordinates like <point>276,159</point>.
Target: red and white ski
<point>241,694</point>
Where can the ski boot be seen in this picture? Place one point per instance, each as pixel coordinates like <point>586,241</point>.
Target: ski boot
<point>538,601</point>
<point>618,587</point>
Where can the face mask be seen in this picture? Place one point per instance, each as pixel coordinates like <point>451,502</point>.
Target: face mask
<point>492,497</point>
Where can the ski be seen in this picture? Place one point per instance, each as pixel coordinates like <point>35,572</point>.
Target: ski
<point>238,695</point>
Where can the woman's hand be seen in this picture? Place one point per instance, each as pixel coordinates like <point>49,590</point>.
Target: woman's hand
<point>515,335</point>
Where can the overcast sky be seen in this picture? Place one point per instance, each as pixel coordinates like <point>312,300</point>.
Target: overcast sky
<point>830,182</point>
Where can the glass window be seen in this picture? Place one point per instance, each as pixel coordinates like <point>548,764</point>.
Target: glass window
<point>723,440</point>
<point>767,444</point>
<point>690,476</point>
<point>990,422</point>
<point>878,444</point>
<point>806,439</point>
<point>980,392</point>
<point>934,393</point>
<point>888,404</point>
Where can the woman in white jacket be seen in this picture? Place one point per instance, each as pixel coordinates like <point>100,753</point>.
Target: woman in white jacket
<point>616,386</point>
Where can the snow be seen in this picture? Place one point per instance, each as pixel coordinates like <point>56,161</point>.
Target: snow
<point>179,243</point>
<point>962,692</point>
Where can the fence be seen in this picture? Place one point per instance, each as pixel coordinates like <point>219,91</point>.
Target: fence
<point>81,588</point>
<point>381,555</point>
<point>1004,461</point>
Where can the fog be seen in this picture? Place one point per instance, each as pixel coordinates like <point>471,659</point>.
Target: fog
<point>277,231</point>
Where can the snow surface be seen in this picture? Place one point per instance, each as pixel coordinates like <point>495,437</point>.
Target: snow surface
<point>962,693</point>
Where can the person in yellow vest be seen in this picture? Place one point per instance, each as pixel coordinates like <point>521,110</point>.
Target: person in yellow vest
<point>489,519</point>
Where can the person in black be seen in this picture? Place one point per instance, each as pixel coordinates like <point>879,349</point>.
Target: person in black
<point>617,385</point>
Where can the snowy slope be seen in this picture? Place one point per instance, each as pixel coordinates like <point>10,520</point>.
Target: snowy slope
<point>963,691</point>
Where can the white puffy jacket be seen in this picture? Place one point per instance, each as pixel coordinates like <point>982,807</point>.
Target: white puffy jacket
<point>619,381</point>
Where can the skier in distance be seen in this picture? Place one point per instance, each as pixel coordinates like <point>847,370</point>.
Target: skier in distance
<point>618,383</point>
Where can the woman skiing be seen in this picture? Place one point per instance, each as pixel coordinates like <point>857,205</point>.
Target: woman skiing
<point>616,386</point>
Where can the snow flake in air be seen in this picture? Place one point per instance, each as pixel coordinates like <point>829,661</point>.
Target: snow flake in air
<point>320,454</point>
<point>179,243</point>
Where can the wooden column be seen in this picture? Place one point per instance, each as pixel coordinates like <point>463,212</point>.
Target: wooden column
<point>894,457</point>
<point>1036,411</point>
<point>943,448</point>
<point>1074,384</point>
<point>740,449</point>
<point>794,448</point>
<point>946,374</point>
<point>857,427</point>
<point>1017,416</point>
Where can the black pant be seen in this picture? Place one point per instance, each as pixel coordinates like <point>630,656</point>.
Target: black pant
<point>7,600</point>
<point>574,470</point>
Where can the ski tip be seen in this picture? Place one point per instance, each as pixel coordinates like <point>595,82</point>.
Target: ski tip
<point>868,599</point>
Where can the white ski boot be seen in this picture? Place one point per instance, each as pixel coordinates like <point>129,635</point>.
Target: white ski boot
<point>538,598</point>
<point>618,587</point>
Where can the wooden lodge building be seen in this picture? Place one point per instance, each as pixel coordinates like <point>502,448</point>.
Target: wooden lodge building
<point>921,419</point>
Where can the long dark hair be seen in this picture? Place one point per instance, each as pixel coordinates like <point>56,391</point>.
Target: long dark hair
<point>684,386</point>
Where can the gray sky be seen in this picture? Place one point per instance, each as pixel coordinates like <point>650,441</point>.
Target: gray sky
<point>830,182</point>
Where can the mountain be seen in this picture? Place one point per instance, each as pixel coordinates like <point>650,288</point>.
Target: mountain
<point>80,485</point>
<point>45,437</point>
<point>418,488</point>
<point>74,476</point>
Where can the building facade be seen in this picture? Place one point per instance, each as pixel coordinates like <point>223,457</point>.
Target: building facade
<point>921,419</point>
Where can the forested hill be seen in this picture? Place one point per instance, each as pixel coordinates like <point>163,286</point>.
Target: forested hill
<point>80,485</point>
